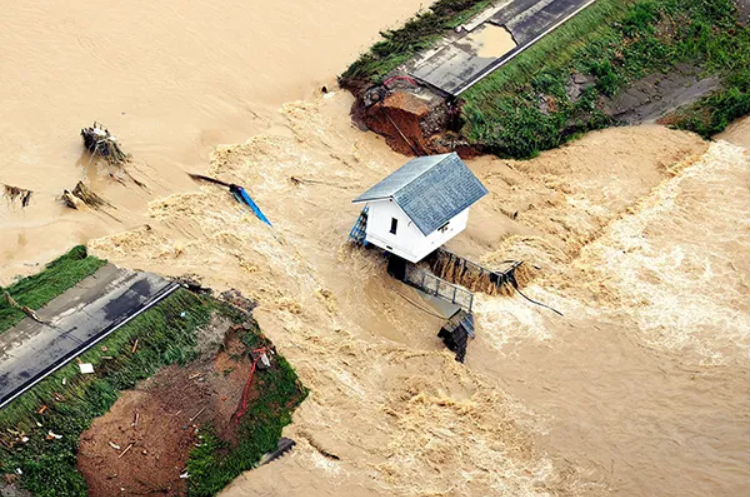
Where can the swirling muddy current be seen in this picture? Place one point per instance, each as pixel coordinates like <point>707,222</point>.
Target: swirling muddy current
<point>640,388</point>
<point>641,235</point>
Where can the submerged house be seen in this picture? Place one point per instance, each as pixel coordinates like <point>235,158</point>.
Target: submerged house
<point>420,206</point>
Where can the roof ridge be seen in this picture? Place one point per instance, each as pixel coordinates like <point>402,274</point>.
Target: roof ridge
<point>405,185</point>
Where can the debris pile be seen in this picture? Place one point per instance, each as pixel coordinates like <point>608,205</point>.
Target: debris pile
<point>450,267</point>
<point>238,300</point>
<point>193,283</point>
<point>98,140</point>
<point>82,197</point>
<point>13,193</point>
<point>455,333</point>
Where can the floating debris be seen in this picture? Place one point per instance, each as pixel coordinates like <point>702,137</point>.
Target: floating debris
<point>98,140</point>
<point>13,193</point>
<point>477,278</point>
<point>456,331</point>
<point>239,193</point>
<point>82,197</point>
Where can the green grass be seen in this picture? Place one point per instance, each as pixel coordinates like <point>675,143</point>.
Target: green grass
<point>215,462</point>
<point>49,467</point>
<point>400,45</point>
<point>714,113</point>
<point>37,290</point>
<point>615,42</point>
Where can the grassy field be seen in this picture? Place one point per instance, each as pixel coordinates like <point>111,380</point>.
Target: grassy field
<point>215,463</point>
<point>614,42</point>
<point>165,337</point>
<point>37,290</point>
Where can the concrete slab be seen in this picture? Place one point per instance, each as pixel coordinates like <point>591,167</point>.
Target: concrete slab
<point>465,60</point>
<point>537,19</point>
<point>73,323</point>
<point>461,60</point>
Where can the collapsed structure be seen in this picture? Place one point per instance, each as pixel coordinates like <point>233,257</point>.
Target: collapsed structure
<point>411,214</point>
<point>99,140</point>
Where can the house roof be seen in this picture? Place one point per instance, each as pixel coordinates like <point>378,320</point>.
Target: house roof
<point>430,190</point>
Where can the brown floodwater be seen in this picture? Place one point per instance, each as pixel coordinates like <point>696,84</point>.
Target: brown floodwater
<point>172,79</point>
<point>642,233</point>
<point>641,388</point>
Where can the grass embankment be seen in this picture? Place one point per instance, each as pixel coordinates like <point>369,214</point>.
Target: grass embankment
<point>524,107</point>
<point>164,337</point>
<point>615,42</point>
<point>37,290</point>
<point>400,45</point>
<point>215,462</point>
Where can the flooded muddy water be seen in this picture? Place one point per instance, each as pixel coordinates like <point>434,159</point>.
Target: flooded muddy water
<point>171,80</point>
<point>620,396</point>
<point>641,233</point>
<point>492,41</point>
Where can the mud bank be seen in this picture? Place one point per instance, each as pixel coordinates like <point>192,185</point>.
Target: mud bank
<point>166,417</point>
<point>207,408</point>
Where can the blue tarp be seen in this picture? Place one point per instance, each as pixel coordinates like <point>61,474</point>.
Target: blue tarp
<point>242,196</point>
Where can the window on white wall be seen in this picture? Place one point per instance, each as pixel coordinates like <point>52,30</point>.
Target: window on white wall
<point>394,223</point>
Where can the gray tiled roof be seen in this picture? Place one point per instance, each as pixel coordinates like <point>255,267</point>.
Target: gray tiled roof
<point>430,190</point>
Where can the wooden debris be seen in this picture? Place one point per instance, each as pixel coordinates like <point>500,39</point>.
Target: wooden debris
<point>23,308</point>
<point>135,346</point>
<point>125,451</point>
<point>81,197</point>
<point>72,201</point>
<point>43,408</point>
<point>99,140</point>
<point>14,193</point>
<point>197,414</point>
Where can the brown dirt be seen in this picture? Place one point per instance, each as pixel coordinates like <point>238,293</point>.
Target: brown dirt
<point>168,426</point>
<point>408,121</point>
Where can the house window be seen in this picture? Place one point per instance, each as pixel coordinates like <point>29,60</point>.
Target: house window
<point>394,222</point>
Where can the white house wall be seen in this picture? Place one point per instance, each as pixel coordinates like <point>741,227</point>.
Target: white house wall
<point>408,242</point>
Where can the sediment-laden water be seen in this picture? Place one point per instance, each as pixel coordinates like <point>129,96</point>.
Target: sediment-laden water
<point>642,234</point>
